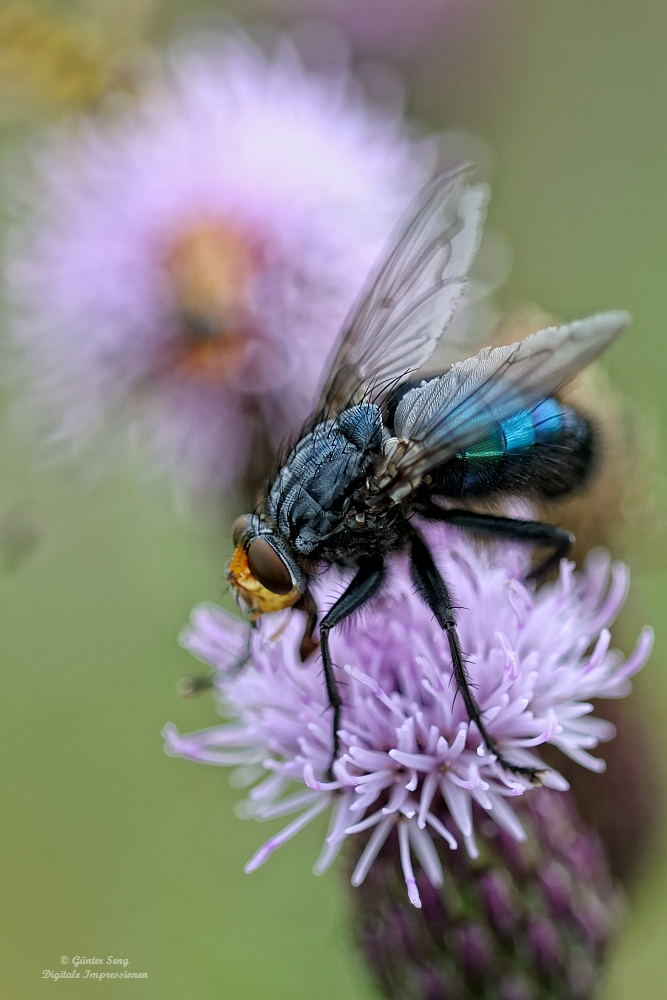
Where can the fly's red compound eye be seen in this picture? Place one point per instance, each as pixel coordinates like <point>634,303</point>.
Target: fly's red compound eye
<point>268,568</point>
<point>240,524</point>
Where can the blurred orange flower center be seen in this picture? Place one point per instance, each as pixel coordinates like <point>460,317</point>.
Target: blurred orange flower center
<point>210,267</point>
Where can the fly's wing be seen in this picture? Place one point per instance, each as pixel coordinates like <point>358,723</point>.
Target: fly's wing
<point>458,409</point>
<point>414,294</point>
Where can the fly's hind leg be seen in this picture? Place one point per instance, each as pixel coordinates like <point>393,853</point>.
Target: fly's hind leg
<point>434,591</point>
<point>362,588</point>
<point>513,529</point>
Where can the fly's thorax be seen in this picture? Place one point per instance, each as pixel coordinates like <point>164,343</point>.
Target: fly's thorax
<point>310,497</point>
<point>263,570</point>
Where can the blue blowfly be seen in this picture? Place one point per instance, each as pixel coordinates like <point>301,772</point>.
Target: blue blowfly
<point>382,451</point>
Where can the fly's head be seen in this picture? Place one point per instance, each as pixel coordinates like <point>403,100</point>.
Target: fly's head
<point>262,570</point>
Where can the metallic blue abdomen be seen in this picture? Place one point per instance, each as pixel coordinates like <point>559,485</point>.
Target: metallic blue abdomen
<point>545,450</point>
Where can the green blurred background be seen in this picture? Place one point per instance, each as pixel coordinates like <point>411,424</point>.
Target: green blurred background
<point>111,848</point>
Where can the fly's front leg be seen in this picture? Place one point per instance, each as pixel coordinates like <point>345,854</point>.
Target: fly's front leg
<point>365,585</point>
<point>434,591</point>
<point>195,684</point>
<point>513,529</point>
<point>308,644</point>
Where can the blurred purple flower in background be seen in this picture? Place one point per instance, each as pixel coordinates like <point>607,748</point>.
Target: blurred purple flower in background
<point>536,658</point>
<point>183,267</point>
<point>400,29</point>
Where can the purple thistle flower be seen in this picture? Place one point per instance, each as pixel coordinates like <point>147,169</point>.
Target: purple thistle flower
<point>535,657</point>
<point>630,777</point>
<point>524,921</point>
<point>183,268</point>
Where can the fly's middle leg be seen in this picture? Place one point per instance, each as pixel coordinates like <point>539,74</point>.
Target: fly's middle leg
<point>434,591</point>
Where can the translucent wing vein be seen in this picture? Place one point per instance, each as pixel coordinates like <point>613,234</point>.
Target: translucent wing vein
<point>414,294</point>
